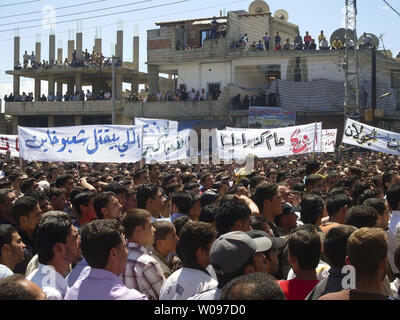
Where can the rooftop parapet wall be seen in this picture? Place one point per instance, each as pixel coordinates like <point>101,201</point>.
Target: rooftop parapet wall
<point>179,110</point>
<point>62,108</point>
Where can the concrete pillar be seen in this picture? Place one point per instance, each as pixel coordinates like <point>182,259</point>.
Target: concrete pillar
<point>78,120</point>
<point>14,125</point>
<point>38,51</point>
<point>50,121</point>
<point>17,50</point>
<point>98,46</point>
<point>60,55</point>
<point>52,49</point>
<point>135,87</point>
<point>154,85</point>
<point>59,87</point>
<point>70,86</point>
<point>78,82</point>
<point>71,48</point>
<point>79,39</point>
<point>98,85</point>
<point>118,84</point>
<point>136,53</point>
<point>52,84</point>
<point>38,92</point>
<point>119,51</point>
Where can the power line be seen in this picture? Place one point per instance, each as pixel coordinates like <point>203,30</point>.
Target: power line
<point>142,19</point>
<point>103,15</point>
<point>58,8</point>
<point>78,13</point>
<point>390,6</point>
<point>16,4</point>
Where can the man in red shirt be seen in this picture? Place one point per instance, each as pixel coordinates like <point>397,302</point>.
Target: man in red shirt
<point>304,253</point>
<point>307,40</point>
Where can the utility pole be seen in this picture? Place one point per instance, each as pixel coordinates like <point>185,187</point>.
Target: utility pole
<point>373,82</point>
<point>351,64</point>
<point>113,93</point>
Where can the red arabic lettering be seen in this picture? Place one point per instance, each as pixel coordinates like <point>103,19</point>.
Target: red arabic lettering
<point>300,143</point>
<point>16,144</point>
<point>7,145</point>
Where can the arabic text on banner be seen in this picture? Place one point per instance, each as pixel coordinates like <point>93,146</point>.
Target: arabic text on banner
<point>329,140</point>
<point>97,143</point>
<point>269,143</point>
<point>9,143</point>
<point>169,147</point>
<point>157,125</point>
<point>368,137</point>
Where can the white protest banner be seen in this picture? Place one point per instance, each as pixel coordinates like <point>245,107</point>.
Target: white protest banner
<point>157,125</point>
<point>329,140</point>
<point>9,143</point>
<point>170,147</point>
<point>96,143</point>
<point>269,143</point>
<point>368,137</point>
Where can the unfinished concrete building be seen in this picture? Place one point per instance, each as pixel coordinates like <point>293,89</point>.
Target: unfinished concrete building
<point>68,113</point>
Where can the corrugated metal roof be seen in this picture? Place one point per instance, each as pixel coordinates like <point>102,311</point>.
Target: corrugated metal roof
<point>189,20</point>
<point>209,21</point>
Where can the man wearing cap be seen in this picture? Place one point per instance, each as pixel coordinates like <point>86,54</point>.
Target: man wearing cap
<point>272,253</point>
<point>287,221</point>
<point>232,255</point>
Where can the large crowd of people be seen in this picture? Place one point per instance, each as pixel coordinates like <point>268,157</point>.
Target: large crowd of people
<point>271,229</point>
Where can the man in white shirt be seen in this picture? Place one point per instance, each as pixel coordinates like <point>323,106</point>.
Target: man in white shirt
<point>58,245</point>
<point>196,239</point>
<point>393,198</point>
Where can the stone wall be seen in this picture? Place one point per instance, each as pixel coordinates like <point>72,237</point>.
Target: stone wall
<point>178,110</point>
<point>61,108</point>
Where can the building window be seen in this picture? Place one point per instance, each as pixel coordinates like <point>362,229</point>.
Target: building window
<point>272,72</point>
<point>214,90</point>
<point>395,79</point>
<point>205,34</point>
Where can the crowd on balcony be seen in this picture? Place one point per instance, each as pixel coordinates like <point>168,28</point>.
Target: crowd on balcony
<point>181,94</point>
<point>218,31</point>
<point>94,60</point>
<point>262,100</point>
<point>79,95</point>
<point>298,43</point>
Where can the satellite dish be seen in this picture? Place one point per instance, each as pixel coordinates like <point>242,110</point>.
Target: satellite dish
<point>259,6</point>
<point>281,14</point>
<point>341,34</point>
<point>375,40</point>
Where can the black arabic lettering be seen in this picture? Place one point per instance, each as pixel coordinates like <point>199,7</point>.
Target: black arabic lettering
<point>280,142</point>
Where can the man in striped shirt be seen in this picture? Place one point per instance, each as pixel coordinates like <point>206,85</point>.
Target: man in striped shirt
<point>142,271</point>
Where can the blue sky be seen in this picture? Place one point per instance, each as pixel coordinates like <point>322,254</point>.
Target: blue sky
<point>310,15</point>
